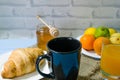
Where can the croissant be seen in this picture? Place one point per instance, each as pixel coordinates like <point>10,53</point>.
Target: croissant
<point>20,62</point>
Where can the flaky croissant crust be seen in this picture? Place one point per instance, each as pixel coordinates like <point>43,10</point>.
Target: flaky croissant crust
<point>20,62</point>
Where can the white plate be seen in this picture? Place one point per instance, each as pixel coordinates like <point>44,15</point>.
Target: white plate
<point>89,53</point>
<point>31,76</point>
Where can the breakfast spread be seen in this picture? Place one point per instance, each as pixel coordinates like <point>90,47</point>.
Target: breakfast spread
<point>20,62</point>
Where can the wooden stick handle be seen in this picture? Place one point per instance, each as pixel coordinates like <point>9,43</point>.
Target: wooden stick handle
<point>43,21</point>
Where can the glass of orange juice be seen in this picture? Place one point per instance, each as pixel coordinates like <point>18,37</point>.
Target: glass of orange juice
<point>43,36</point>
<point>110,61</point>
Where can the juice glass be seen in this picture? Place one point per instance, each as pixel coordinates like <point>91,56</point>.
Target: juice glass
<point>43,36</point>
<point>110,61</point>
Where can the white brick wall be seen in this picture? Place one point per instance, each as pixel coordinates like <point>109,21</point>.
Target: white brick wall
<point>114,3</point>
<point>13,2</point>
<point>18,17</point>
<point>12,22</point>
<point>51,2</point>
<point>6,11</point>
<point>105,12</point>
<point>82,12</point>
<point>33,11</point>
<point>72,23</point>
<point>89,3</point>
<point>118,13</point>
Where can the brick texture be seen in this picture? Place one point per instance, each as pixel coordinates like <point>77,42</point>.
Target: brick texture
<point>118,13</point>
<point>13,2</point>
<point>51,2</point>
<point>70,16</point>
<point>12,23</point>
<point>42,11</point>
<point>115,23</point>
<point>72,23</point>
<point>60,11</point>
<point>111,3</point>
<point>87,2</point>
<point>6,11</point>
<point>20,33</point>
<point>104,12</point>
<point>4,34</point>
<point>84,12</point>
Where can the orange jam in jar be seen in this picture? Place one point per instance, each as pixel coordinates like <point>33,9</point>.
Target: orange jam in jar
<point>43,36</point>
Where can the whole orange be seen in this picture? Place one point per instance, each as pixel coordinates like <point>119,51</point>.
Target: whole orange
<point>87,41</point>
<point>98,44</point>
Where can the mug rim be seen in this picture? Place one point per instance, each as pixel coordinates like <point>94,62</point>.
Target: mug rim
<point>79,43</point>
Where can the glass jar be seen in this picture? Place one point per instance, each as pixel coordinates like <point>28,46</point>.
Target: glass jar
<point>43,36</point>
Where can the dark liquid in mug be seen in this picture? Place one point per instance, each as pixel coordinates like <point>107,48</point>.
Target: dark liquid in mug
<point>64,45</point>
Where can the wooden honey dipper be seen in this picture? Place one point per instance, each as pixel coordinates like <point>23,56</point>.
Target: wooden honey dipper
<point>53,31</point>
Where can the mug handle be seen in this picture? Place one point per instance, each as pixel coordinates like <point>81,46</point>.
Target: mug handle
<point>50,75</point>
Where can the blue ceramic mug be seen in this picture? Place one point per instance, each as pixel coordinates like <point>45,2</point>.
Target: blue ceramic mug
<point>64,56</point>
